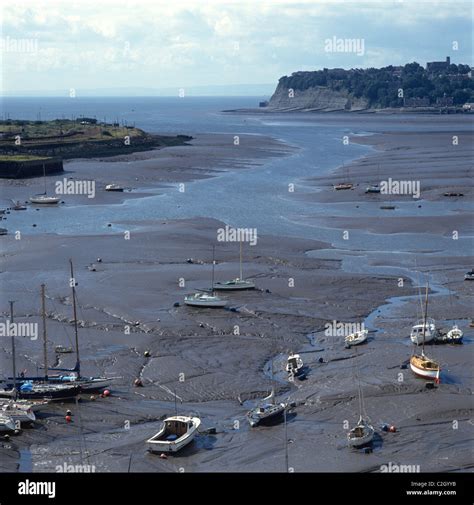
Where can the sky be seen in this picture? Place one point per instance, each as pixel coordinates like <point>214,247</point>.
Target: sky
<point>55,46</point>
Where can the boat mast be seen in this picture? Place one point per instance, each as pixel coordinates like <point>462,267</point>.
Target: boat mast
<point>44,178</point>
<point>45,346</point>
<point>213,263</point>
<point>73,286</point>
<point>425,320</point>
<point>286,443</point>
<point>13,352</point>
<point>241,277</point>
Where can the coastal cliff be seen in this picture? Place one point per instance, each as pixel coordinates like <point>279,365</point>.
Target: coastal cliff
<point>318,98</point>
<point>440,87</point>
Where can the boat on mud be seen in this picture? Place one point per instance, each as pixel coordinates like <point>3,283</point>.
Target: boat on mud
<point>176,433</point>
<point>420,364</point>
<point>423,330</point>
<point>266,411</point>
<point>356,338</point>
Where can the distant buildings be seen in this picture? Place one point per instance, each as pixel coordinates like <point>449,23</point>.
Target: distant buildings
<point>438,66</point>
<point>416,102</point>
<point>445,101</point>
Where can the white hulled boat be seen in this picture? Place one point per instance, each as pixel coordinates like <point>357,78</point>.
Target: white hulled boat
<point>423,329</point>
<point>209,300</point>
<point>362,433</point>
<point>176,432</point>
<point>356,338</point>
<point>44,199</point>
<point>294,364</point>
<point>235,284</point>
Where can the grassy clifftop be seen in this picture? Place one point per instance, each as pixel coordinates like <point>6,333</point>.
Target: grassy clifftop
<point>83,138</point>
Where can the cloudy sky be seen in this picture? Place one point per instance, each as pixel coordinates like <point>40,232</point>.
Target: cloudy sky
<point>162,44</point>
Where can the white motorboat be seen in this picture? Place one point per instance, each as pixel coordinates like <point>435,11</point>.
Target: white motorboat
<point>6,423</point>
<point>454,335</point>
<point>204,300</point>
<point>113,187</point>
<point>469,276</point>
<point>356,338</point>
<point>294,364</point>
<point>235,284</point>
<point>423,330</point>
<point>176,432</point>
<point>267,411</point>
<point>362,434</point>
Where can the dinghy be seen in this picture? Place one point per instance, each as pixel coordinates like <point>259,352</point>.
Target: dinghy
<point>356,338</point>
<point>176,432</point>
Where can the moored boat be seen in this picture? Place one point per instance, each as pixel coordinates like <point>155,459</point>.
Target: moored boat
<point>114,187</point>
<point>425,367</point>
<point>469,276</point>
<point>266,411</point>
<point>454,335</point>
<point>175,433</point>
<point>44,200</point>
<point>343,185</point>
<point>423,330</point>
<point>204,300</point>
<point>294,364</point>
<point>356,338</point>
<point>22,413</point>
<point>373,188</point>
<point>362,433</point>
<point>237,284</point>
<point>6,423</point>
<point>420,364</point>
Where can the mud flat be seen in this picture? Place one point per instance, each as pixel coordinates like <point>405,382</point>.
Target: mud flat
<point>148,172</point>
<point>217,363</point>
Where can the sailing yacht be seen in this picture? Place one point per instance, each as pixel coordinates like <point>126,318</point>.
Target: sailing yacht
<point>235,284</point>
<point>209,300</point>
<point>266,411</point>
<point>74,377</point>
<point>363,432</point>
<point>43,198</point>
<point>420,364</point>
<point>38,387</point>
